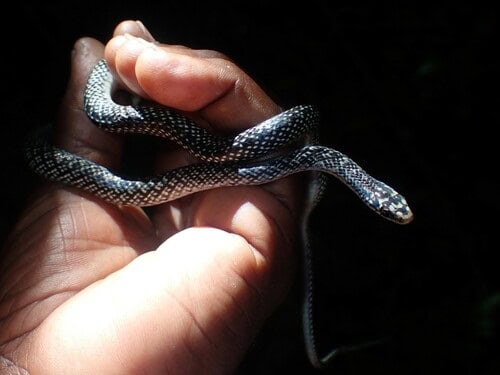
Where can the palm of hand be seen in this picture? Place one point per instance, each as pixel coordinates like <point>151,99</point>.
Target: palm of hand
<point>79,281</point>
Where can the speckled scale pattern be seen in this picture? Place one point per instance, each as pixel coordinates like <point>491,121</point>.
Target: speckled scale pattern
<point>280,146</point>
<point>225,161</point>
<point>151,120</point>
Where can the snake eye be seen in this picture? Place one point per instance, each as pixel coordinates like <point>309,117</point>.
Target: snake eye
<point>390,204</point>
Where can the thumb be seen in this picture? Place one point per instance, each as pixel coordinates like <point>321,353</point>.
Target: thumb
<point>192,306</point>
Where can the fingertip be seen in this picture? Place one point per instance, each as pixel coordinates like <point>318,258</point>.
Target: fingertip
<point>111,49</point>
<point>86,51</point>
<point>84,55</point>
<point>125,58</point>
<point>75,132</point>
<point>180,81</point>
<point>135,28</point>
<point>145,32</point>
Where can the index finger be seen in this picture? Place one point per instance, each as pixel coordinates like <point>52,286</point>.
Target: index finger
<point>192,81</point>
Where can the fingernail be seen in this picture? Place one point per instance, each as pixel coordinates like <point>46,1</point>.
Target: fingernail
<point>80,48</point>
<point>147,34</point>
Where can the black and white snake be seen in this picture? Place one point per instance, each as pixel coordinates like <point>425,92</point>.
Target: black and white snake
<point>261,154</point>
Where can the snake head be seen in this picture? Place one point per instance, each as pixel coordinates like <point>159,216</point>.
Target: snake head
<point>391,205</point>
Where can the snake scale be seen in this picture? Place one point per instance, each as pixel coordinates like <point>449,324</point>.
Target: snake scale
<point>280,146</point>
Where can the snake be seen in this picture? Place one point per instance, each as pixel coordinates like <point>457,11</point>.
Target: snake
<point>282,145</point>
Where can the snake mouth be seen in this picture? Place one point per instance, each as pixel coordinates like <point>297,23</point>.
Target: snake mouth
<point>405,218</point>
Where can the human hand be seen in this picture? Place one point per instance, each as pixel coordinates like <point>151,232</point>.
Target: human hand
<point>81,289</point>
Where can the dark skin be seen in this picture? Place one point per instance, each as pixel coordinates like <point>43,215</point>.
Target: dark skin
<point>91,288</point>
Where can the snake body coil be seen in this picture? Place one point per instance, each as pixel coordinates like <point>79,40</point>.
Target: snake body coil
<point>249,158</point>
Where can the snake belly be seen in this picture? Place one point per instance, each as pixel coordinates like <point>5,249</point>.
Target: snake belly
<point>278,147</point>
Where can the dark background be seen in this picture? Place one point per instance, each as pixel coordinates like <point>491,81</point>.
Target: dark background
<point>410,93</point>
